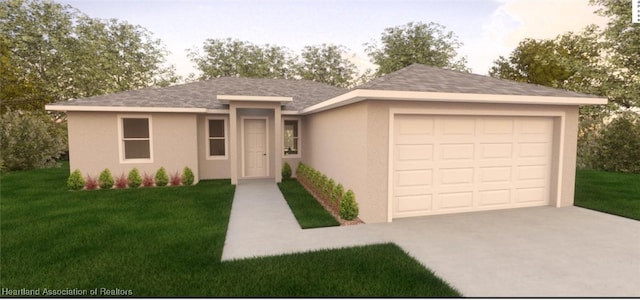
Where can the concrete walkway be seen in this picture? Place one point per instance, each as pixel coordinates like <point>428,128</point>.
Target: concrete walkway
<point>540,252</point>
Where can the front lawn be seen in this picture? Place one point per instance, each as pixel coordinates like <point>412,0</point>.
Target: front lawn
<point>306,209</point>
<point>614,193</point>
<point>168,242</point>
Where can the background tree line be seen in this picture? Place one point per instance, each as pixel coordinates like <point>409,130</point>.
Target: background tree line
<point>51,52</point>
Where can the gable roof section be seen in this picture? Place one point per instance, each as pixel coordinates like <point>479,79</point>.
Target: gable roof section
<point>422,78</point>
<point>202,94</point>
<point>423,83</point>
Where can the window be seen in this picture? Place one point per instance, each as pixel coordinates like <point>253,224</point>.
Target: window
<point>136,138</point>
<point>216,136</point>
<point>291,138</point>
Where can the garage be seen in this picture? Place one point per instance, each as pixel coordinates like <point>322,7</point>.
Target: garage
<point>449,164</point>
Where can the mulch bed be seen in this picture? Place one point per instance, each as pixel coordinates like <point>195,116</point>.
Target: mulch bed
<point>333,209</point>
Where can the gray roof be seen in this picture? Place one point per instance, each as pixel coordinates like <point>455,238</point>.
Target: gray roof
<point>422,78</point>
<point>305,93</point>
<point>202,94</point>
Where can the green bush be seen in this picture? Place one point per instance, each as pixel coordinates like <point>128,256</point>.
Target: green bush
<point>162,179</point>
<point>324,180</point>
<point>619,145</point>
<point>106,179</point>
<point>300,170</point>
<point>75,181</point>
<point>30,140</point>
<point>337,194</point>
<point>328,189</point>
<point>134,178</point>
<point>187,176</point>
<point>349,206</point>
<point>286,171</point>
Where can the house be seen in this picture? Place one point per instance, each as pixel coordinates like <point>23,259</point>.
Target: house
<point>419,141</point>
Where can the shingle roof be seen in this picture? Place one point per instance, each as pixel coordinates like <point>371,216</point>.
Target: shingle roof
<point>202,94</point>
<point>422,78</point>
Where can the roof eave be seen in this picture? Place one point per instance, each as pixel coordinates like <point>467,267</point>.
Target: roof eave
<point>91,108</point>
<point>366,94</point>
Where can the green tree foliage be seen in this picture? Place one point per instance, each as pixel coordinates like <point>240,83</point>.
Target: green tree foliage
<point>619,145</point>
<point>235,58</point>
<point>75,181</point>
<point>622,43</point>
<point>106,179</point>
<point>428,44</point>
<point>187,176</point>
<point>134,178</point>
<point>327,64</point>
<point>161,178</point>
<point>30,140</point>
<point>348,206</point>
<point>52,52</point>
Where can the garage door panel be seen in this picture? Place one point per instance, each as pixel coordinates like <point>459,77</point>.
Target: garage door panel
<point>496,151</point>
<point>448,201</point>
<point>414,204</point>
<point>414,152</point>
<point>455,176</point>
<point>493,198</point>
<point>499,174</point>
<point>457,151</point>
<point>473,162</point>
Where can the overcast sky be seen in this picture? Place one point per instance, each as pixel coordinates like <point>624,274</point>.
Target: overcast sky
<point>487,28</point>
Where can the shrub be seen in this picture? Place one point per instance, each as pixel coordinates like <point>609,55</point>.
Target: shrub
<point>134,178</point>
<point>349,206</point>
<point>619,144</point>
<point>90,183</point>
<point>286,171</point>
<point>161,177</point>
<point>30,140</point>
<point>321,184</point>
<point>121,181</point>
<point>187,176</point>
<point>75,181</point>
<point>175,179</point>
<point>299,169</point>
<point>328,189</point>
<point>105,180</point>
<point>337,194</point>
<point>147,180</point>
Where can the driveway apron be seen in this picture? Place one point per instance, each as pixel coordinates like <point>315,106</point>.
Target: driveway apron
<point>540,251</point>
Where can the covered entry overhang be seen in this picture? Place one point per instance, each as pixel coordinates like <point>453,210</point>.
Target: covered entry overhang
<point>254,135</point>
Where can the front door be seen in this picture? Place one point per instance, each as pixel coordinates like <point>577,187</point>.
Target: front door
<point>255,148</point>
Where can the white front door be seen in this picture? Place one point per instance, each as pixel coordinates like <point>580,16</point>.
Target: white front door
<point>255,147</point>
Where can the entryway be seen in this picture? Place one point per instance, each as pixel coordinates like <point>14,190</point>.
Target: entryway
<point>254,145</point>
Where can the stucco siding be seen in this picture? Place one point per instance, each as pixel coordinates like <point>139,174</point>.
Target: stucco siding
<point>335,143</point>
<point>94,143</point>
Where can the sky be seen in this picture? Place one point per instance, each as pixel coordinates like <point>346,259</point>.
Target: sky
<point>487,28</point>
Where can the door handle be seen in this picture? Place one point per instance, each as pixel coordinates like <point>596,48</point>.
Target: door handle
<point>264,154</point>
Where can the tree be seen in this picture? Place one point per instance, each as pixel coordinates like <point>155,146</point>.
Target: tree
<point>622,41</point>
<point>422,43</point>
<point>57,53</point>
<point>326,64</point>
<point>30,140</point>
<point>235,58</point>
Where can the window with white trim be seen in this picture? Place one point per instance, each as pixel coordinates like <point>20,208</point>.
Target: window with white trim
<point>136,138</point>
<point>291,137</point>
<point>216,138</point>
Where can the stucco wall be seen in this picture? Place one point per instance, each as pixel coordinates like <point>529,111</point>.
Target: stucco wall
<point>94,142</point>
<point>335,143</point>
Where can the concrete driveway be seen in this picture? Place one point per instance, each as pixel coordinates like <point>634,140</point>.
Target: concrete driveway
<point>539,252</point>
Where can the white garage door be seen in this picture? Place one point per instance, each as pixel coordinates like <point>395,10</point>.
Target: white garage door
<point>448,164</point>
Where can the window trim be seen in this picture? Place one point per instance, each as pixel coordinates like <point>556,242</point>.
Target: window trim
<point>207,138</point>
<point>299,120</point>
<point>123,159</point>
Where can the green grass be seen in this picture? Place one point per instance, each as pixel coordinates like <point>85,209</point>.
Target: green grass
<point>168,242</point>
<point>308,212</point>
<point>613,193</point>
